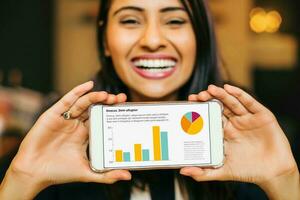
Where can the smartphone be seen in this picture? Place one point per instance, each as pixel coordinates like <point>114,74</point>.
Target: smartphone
<point>157,135</point>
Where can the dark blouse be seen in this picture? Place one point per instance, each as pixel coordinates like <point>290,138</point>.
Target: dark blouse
<point>160,182</point>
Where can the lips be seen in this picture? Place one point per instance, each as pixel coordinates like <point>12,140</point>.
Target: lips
<point>154,66</point>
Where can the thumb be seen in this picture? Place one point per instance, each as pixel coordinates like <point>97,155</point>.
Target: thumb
<point>200,174</point>
<point>107,177</point>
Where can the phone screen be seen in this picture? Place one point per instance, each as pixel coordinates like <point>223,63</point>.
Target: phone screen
<point>156,135</point>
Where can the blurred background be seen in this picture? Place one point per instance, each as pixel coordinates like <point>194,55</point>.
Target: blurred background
<point>47,47</point>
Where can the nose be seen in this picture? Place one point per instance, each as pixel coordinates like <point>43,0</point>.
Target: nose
<point>153,38</point>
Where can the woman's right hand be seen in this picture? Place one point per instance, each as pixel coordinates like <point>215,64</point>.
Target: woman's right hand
<point>54,150</point>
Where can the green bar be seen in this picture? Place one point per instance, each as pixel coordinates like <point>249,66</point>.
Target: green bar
<point>126,156</point>
<point>164,145</point>
<point>146,155</point>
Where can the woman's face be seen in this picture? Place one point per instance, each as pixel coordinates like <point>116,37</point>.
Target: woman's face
<point>152,45</point>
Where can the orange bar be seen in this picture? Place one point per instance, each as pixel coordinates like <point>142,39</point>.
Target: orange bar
<point>138,152</point>
<point>156,143</point>
<point>119,156</point>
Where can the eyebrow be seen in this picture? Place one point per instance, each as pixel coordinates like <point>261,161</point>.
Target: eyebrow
<point>169,9</point>
<point>139,9</point>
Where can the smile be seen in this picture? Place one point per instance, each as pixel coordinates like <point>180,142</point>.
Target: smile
<point>154,68</point>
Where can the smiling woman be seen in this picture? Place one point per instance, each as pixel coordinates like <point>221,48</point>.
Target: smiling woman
<point>159,50</point>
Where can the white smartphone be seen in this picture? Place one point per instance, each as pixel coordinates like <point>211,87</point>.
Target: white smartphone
<point>156,135</point>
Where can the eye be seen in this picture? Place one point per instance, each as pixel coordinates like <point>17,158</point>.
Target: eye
<point>130,21</point>
<point>176,22</point>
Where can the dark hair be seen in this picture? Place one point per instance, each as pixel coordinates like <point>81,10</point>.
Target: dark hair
<point>205,70</point>
<point>204,73</point>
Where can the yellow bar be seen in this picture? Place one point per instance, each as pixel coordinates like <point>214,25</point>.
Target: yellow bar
<point>138,152</point>
<point>156,143</point>
<point>119,156</point>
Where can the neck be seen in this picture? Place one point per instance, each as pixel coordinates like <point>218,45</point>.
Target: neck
<point>136,97</point>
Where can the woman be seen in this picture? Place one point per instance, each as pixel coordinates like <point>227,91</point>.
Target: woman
<point>152,50</point>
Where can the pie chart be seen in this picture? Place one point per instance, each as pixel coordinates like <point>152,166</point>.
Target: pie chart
<point>192,123</point>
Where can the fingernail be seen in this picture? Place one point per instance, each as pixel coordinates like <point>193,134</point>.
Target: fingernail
<point>91,82</point>
<point>212,86</point>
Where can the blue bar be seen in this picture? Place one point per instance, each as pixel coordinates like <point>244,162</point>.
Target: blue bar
<point>146,155</point>
<point>164,145</point>
<point>126,156</point>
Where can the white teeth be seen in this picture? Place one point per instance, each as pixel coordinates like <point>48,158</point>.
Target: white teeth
<point>157,63</point>
<point>158,69</point>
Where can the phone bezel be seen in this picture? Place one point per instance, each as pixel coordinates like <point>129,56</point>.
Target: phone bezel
<point>216,136</point>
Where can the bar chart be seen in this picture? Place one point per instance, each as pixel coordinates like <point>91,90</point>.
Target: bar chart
<point>160,149</point>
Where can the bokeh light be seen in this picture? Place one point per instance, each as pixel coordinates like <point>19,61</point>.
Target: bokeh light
<point>263,21</point>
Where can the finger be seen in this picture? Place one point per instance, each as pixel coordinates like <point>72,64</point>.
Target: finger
<point>84,116</point>
<point>204,96</point>
<point>247,100</point>
<point>79,109</point>
<point>193,97</point>
<point>84,102</point>
<point>228,113</point>
<point>228,100</point>
<point>121,98</point>
<point>111,99</point>
<point>199,174</point>
<point>70,98</point>
<point>108,177</point>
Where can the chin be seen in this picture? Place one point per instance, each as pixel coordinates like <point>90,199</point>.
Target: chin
<point>156,95</point>
<point>154,91</point>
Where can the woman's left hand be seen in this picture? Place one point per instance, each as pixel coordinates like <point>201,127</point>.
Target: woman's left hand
<point>256,148</point>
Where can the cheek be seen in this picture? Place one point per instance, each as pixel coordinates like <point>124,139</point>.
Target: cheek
<point>120,42</point>
<point>185,43</point>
